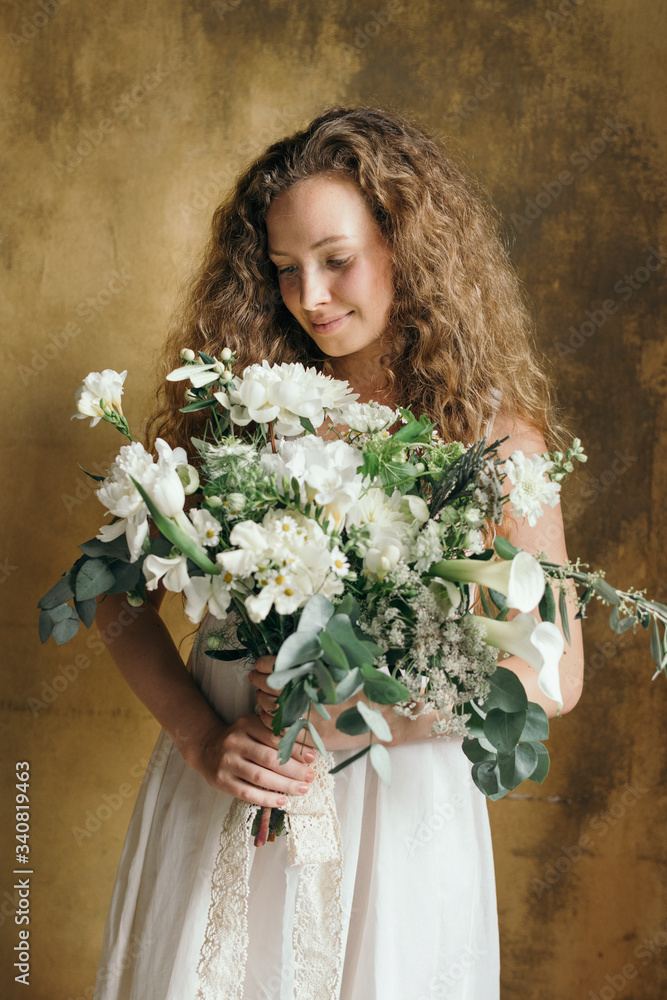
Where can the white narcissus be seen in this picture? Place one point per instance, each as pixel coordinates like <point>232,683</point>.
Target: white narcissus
<point>540,644</point>
<point>106,385</point>
<point>520,579</point>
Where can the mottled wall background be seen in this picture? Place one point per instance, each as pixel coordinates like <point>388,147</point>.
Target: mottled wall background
<point>124,123</point>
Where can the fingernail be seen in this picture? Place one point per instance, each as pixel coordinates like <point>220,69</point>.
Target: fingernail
<point>309,756</point>
<point>304,788</point>
<point>281,801</point>
<point>310,776</point>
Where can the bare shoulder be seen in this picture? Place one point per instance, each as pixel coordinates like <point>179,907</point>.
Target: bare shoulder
<point>522,435</point>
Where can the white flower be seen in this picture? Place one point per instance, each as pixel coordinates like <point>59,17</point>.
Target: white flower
<point>427,547</point>
<point>206,591</point>
<point>98,386</point>
<point>520,579</point>
<point>284,393</point>
<point>473,541</point>
<point>199,374</point>
<point>166,488</point>
<point>531,489</point>
<point>206,526</point>
<point>367,418</point>
<point>173,572</point>
<point>540,644</point>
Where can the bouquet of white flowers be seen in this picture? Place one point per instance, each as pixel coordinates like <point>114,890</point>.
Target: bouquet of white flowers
<point>357,558</point>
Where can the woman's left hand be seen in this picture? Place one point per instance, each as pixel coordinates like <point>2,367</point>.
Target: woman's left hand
<point>332,738</point>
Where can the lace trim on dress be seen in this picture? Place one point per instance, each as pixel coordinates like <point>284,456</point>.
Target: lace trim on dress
<point>313,843</point>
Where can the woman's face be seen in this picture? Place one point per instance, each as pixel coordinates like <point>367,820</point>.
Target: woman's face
<point>334,268</point>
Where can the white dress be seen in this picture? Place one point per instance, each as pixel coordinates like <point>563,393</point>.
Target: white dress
<point>418,890</point>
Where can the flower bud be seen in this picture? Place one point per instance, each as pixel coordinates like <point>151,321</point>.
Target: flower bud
<point>134,598</point>
<point>219,367</point>
<point>187,354</point>
<point>213,502</point>
<point>226,375</point>
<point>236,502</point>
<point>190,396</point>
<point>420,467</point>
<point>189,477</point>
<point>225,354</point>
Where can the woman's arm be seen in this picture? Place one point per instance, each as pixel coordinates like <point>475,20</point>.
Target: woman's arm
<point>240,759</point>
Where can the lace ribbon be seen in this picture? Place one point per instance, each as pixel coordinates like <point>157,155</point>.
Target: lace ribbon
<point>314,844</point>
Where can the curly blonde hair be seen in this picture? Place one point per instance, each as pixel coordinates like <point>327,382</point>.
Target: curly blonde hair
<point>459,335</point>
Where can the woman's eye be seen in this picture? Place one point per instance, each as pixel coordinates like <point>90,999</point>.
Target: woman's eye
<point>340,263</point>
<point>286,270</point>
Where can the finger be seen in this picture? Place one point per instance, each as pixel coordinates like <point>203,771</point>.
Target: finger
<point>302,752</point>
<point>265,664</point>
<point>276,781</point>
<point>267,702</point>
<point>258,680</point>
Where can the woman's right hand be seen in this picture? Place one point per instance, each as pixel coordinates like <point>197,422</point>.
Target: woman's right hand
<point>242,759</point>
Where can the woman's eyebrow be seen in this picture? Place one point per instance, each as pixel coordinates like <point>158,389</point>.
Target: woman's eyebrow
<point>315,246</point>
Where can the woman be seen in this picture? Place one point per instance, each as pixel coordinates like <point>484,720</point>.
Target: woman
<point>358,247</point>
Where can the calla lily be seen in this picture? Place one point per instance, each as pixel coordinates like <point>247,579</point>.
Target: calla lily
<point>540,644</point>
<point>521,579</point>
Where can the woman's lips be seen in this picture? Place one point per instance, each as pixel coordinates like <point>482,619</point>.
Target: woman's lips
<point>332,325</point>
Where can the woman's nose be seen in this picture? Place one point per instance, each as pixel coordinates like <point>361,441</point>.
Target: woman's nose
<point>314,289</point>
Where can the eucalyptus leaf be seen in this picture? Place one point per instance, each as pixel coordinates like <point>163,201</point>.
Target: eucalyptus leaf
<point>352,722</point>
<point>382,688</point>
<point>350,685</point>
<point>605,590</point>
<point>298,648</point>
<point>288,739</point>
<point>381,762</point>
<point>475,752</point>
<point>86,610</point>
<point>296,704</point>
<point>356,650</point>
<point>115,549</point>
<point>547,606</point>
<point>507,692</point>
<point>46,624</point>
<point>485,776</point>
<point>498,599</point>
<point>536,726</point>
<point>517,766</point>
<point>326,681</point>
<point>279,678</point>
<point>65,630</point>
<point>60,613</point>
<point>504,548</point>
<point>317,740</point>
<point>348,606</point>
<point>562,608</point>
<point>315,615</point>
<point>542,767</point>
<point>93,578</point>
<point>334,654</point>
<point>376,721</point>
<point>321,710</point>
<point>503,729</point>
<point>61,592</point>
<point>125,574</point>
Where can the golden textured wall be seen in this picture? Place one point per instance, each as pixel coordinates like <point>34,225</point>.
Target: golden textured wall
<point>123,123</point>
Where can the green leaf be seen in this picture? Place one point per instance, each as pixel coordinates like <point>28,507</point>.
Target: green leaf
<point>542,767</point>
<point>537,723</point>
<point>296,704</point>
<point>279,678</point>
<point>485,775</point>
<point>381,762</point>
<point>517,766</point>
<point>357,651</point>
<point>317,739</point>
<point>547,606</point>
<point>326,681</point>
<point>371,466</point>
<point>507,692</point>
<point>176,535</point>
<point>376,721</point>
<point>562,607</point>
<point>93,578</point>
<point>46,624</point>
<point>656,651</point>
<point>199,404</point>
<point>503,729</point>
<point>320,709</point>
<point>350,685</point>
<point>504,548</point>
<point>287,741</point>
<point>126,575</point>
<point>115,549</point>
<point>476,753</point>
<point>297,648</point>
<point>86,610</point>
<point>350,760</point>
<point>352,722</point>
<point>206,358</point>
<point>61,592</point>
<point>65,630</point>
<point>498,599</point>
<point>333,653</point>
<point>605,590</point>
<point>315,615</point>
<point>395,473</point>
<point>382,688</point>
<point>348,606</point>
<point>228,655</point>
<point>91,475</point>
<point>307,425</point>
